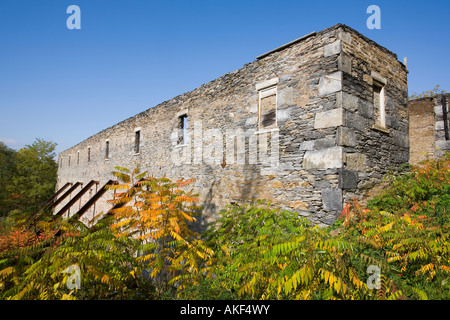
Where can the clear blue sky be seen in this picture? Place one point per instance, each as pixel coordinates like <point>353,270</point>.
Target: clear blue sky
<point>65,85</point>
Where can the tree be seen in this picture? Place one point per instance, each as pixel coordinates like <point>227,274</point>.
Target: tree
<point>158,212</point>
<point>7,172</point>
<point>35,178</point>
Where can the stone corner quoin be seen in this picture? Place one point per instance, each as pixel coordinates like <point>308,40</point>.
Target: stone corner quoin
<point>301,126</point>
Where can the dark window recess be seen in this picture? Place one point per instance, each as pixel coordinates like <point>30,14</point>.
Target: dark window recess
<point>268,120</point>
<point>137,141</point>
<point>89,155</point>
<point>107,150</point>
<point>78,158</point>
<point>182,129</point>
<point>69,161</point>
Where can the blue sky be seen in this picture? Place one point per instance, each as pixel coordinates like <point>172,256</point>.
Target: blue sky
<point>65,85</point>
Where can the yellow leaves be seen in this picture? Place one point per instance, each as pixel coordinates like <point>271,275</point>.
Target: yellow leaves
<point>246,288</point>
<point>120,224</point>
<point>387,227</point>
<point>407,218</point>
<point>355,280</point>
<point>155,272</point>
<point>333,281</point>
<point>105,279</point>
<point>66,296</point>
<point>428,268</point>
<point>7,272</point>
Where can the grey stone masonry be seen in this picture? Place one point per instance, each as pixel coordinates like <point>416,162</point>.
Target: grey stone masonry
<point>302,126</point>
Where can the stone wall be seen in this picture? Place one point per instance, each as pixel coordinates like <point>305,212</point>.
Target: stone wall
<point>322,147</point>
<point>427,129</point>
<point>371,149</point>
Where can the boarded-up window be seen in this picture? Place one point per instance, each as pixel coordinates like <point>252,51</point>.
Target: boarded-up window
<point>268,108</point>
<point>378,104</point>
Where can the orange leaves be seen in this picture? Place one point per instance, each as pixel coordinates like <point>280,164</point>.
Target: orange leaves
<point>21,238</point>
<point>414,207</point>
<point>353,212</point>
<point>157,212</point>
<point>155,204</point>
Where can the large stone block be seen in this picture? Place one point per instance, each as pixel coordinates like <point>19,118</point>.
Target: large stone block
<point>332,48</point>
<point>285,96</point>
<point>307,145</point>
<point>356,162</point>
<point>324,143</point>
<point>283,115</point>
<point>332,199</point>
<point>328,119</point>
<point>346,137</point>
<point>330,83</point>
<point>354,120</point>
<point>323,159</point>
<point>438,110</point>
<point>347,101</point>
<point>348,179</point>
<point>345,36</point>
<point>439,125</point>
<point>443,145</point>
<point>400,139</point>
<point>345,63</point>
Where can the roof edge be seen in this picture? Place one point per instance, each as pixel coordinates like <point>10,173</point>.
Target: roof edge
<point>286,45</point>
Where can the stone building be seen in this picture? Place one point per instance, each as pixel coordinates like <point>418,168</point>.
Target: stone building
<point>307,126</point>
<point>429,127</point>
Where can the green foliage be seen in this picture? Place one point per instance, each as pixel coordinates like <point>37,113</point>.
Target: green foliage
<point>7,172</point>
<point>425,189</point>
<point>408,228</point>
<point>35,180</point>
<point>27,177</point>
<point>268,253</point>
<point>240,238</point>
<point>253,251</point>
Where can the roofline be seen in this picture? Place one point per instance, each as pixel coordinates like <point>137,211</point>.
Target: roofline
<point>286,45</point>
<point>336,26</point>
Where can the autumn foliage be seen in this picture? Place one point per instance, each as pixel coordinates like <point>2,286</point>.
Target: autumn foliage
<point>19,238</point>
<point>146,247</point>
